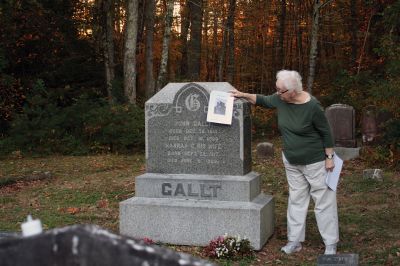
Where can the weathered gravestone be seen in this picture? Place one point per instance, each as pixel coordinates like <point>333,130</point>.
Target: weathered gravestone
<point>373,174</point>
<point>372,124</point>
<point>341,118</point>
<point>338,260</point>
<point>265,150</point>
<point>87,245</point>
<point>369,127</point>
<point>199,183</point>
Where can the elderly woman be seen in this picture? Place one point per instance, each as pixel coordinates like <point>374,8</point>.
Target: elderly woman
<point>307,156</point>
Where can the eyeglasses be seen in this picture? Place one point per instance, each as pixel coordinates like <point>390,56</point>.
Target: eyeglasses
<point>280,92</point>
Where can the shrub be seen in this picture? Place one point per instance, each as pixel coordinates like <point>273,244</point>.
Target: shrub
<point>228,247</point>
<point>264,122</point>
<point>51,124</point>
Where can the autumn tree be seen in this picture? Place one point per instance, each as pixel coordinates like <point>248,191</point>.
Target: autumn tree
<point>106,23</point>
<point>149,24</point>
<point>162,75</point>
<point>130,71</point>
<point>194,46</point>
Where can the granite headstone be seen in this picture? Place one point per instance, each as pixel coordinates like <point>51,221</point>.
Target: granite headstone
<point>369,127</point>
<point>265,150</point>
<point>180,141</point>
<point>376,174</point>
<point>341,118</point>
<point>198,182</point>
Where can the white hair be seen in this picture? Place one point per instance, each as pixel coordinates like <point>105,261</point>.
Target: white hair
<point>291,80</point>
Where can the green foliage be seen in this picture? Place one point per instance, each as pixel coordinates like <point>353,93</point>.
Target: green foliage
<point>77,70</point>
<point>3,61</point>
<point>389,48</point>
<point>118,90</point>
<point>264,123</point>
<point>51,123</point>
<point>392,133</point>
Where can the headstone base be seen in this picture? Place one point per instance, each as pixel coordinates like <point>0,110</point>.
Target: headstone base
<point>204,187</point>
<point>197,222</point>
<point>347,153</point>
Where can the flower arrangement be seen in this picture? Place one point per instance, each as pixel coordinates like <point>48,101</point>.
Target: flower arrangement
<point>228,247</point>
<point>148,241</point>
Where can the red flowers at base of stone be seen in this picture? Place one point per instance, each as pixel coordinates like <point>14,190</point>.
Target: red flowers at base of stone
<point>148,240</point>
<point>228,247</point>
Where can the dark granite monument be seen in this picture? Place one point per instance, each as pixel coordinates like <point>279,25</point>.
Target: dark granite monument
<point>87,245</point>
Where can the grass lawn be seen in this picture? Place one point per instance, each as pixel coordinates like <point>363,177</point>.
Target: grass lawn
<point>87,189</point>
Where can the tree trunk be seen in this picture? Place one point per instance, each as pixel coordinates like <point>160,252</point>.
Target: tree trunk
<point>162,75</point>
<point>299,39</point>
<point>194,49</point>
<point>282,28</point>
<point>230,71</point>
<point>206,17</point>
<point>107,24</point>
<point>185,23</point>
<point>213,64</point>
<point>149,21</point>
<point>221,58</point>
<point>364,43</point>
<point>141,19</point>
<point>313,46</point>
<point>119,36</point>
<point>317,6</point>
<point>353,29</point>
<point>130,51</point>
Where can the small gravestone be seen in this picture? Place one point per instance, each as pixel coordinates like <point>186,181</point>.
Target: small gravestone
<point>369,127</point>
<point>341,118</point>
<point>338,260</point>
<point>198,182</point>
<point>87,245</point>
<point>265,150</point>
<point>373,174</point>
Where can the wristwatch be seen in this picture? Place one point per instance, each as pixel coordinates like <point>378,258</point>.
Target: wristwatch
<point>329,156</point>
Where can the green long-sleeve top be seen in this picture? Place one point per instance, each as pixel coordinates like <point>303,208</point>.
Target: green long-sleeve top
<point>304,129</point>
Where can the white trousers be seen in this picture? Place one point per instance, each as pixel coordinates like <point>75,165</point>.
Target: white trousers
<point>305,181</point>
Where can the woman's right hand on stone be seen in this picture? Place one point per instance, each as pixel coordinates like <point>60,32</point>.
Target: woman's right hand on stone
<point>235,93</point>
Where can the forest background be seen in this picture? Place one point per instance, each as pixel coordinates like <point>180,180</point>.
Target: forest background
<point>75,74</point>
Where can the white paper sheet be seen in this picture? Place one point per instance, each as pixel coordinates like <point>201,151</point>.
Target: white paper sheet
<point>332,178</point>
<point>220,108</point>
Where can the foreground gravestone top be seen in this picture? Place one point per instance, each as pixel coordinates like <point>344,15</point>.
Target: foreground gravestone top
<point>179,140</point>
<point>87,245</point>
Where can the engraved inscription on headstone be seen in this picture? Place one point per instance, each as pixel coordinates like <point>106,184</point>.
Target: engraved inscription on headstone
<point>189,190</point>
<point>338,260</point>
<point>198,187</point>
<point>179,140</point>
